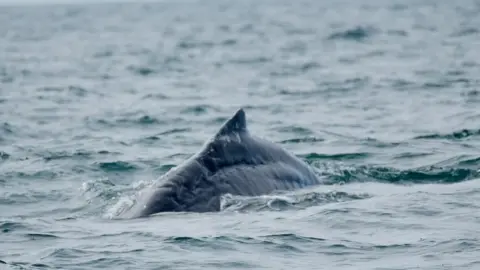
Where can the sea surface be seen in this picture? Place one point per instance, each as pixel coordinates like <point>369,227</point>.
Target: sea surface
<point>382,98</point>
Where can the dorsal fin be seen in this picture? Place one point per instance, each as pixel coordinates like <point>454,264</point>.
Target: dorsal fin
<point>236,123</point>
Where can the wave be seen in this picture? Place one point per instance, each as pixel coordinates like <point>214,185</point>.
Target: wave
<point>75,90</point>
<point>6,227</point>
<point>358,33</point>
<point>456,135</point>
<point>198,109</point>
<point>285,202</point>
<point>276,241</point>
<point>343,156</point>
<point>117,166</point>
<point>4,155</point>
<point>302,140</point>
<point>424,175</point>
<point>74,155</point>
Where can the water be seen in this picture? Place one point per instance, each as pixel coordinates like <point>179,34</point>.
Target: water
<point>380,97</point>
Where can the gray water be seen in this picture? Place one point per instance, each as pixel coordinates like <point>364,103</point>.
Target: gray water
<point>380,97</point>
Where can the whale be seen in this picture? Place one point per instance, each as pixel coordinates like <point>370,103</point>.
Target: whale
<point>233,161</point>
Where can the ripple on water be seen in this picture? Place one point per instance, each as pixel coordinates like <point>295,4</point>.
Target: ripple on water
<point>7,128</point>
<point>31,197</point>
<point>286,202</point>
<point>456,135</point>
<point>32,175</point>
<point>297,130</point>
<point>295,69</point>
<point>199,109</point>
<point>65,155</point>
<point>139,120</point>
<point>302,140</point>
<point>4,155</point>
<point>7,226</point>
<point>345,156</point>
<point>359,33</point>
<point>128,121</point>
<point>40,236</point>
<point>430,174</point>
<point>232,242</point>
<point>142,70</point>
<point>156,96</point>
<point>117,166</point>
<point>75,90</point>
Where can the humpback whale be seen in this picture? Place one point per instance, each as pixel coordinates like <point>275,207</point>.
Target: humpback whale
<point>233,161</point>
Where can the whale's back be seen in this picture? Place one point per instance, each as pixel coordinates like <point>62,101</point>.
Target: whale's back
<point>234,162</point>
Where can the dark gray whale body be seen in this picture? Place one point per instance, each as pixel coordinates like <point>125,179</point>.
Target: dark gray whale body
<point>233,161</point>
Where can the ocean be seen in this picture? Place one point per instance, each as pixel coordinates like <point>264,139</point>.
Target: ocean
<point>381,98</point>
